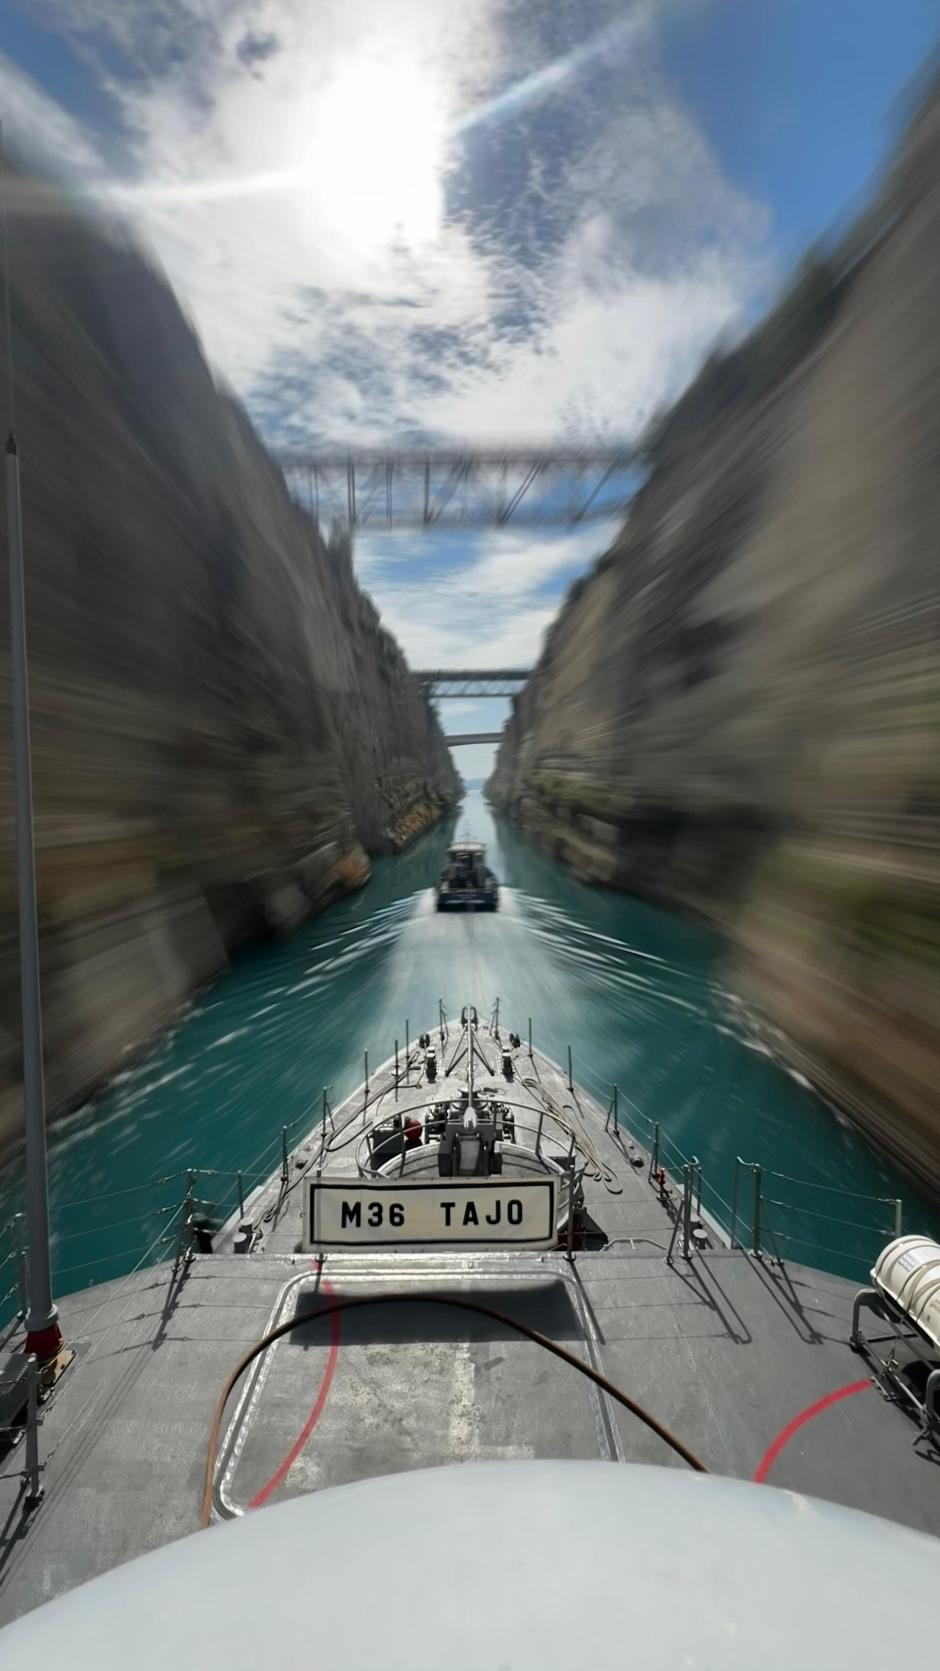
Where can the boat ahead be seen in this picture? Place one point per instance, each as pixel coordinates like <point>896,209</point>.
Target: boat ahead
<point>471,1259</point>
<point>466,883</point>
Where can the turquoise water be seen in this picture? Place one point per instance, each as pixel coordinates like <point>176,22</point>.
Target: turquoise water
<point>635,990</point>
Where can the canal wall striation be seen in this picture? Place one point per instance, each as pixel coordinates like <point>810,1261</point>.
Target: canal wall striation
<point>736,710</point>
<point>222,729</point>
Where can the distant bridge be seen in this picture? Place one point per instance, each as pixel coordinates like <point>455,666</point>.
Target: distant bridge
<point>473,737</point>
<point>474,681</point>
<point>462,487</point>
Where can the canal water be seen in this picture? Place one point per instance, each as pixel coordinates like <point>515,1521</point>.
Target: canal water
<point>635,990</point>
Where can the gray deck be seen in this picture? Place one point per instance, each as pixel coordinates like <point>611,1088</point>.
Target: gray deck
<point>724,1348</point>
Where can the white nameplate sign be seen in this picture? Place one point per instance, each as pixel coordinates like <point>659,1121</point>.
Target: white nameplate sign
<point>457,1211</point>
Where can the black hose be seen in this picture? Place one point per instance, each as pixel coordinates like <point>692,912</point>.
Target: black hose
<point>458,1302</point>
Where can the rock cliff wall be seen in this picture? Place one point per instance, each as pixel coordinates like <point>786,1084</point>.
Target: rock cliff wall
<point>737,710</point>
<point>222,729</point>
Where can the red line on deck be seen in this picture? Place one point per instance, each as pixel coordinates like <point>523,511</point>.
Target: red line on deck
<point>786,1433</point>
<point>284,1467</point>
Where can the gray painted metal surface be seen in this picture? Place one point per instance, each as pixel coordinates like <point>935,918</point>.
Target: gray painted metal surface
<point>502,1567</point>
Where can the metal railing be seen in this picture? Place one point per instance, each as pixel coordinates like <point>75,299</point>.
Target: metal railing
<point>749,1220</point>
<point>769,1214</point>
<point>755,1228</point>
<point>395,1123</point>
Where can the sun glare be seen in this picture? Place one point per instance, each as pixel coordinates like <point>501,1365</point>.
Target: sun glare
<point>376,154</point>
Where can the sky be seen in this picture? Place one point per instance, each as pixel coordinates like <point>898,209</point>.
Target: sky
<point>500,219</point>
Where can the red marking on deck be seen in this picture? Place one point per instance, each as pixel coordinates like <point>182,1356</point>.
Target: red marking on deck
<point>809,1414</point>
<point>284,1467</point>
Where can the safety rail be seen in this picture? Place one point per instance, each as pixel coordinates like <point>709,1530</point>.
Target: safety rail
<point>762,1237</point>
<point>667,1161</point>
<point>750,1220</point>
<point>396,1118</point>
<point>202,1202</point>
<point>679,1179</point>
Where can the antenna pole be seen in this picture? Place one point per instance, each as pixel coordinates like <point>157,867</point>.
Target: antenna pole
<point>43,1335</point>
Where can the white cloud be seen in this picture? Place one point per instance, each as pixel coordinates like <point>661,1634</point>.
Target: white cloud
<point>488,609</point>
<point>577,254</point>
<point>572,300</point>
<point>31,118</point>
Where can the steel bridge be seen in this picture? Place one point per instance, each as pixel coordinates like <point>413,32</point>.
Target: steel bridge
<point>462,487</point>
<point>473,737</point>
<point>445,682</point>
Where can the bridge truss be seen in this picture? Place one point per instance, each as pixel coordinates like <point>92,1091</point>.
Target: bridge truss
<point>465,488</point>
<point>441,683</point>
<point>455,739</point>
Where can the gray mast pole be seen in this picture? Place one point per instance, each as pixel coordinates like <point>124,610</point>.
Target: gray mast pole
<point>43,1335</point>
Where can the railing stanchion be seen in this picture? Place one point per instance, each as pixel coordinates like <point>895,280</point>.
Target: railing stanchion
<point>530,1037</point>
<point>687,1176</point>
<point>755,1211</point>
<point>284,1156</point>
<point>396,1070</point>
<point>734,1200</point>
<point>654,1157</point>
<point>616,1108</point>
<point>184,1241</point>
<point>241,1197</point>
<point>898,1217</point>
<point>22,1260</point>
<point>497,1018</point>
<point>407,1051</point>
<point>34,1489</point>
<point>570,1082</point>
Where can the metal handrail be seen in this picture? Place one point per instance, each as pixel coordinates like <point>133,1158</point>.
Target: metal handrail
<point>622,1113</point>
<point>761,1203</point>
<point>398,1118</point>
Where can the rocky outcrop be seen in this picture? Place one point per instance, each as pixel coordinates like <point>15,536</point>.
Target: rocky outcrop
<point>736,710</point>
<point>222,729</point>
